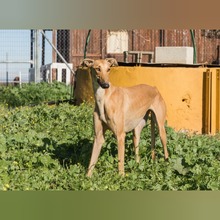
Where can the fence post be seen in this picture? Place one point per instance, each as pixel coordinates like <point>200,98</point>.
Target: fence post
<point>36,56</point>
<point>20,79</point>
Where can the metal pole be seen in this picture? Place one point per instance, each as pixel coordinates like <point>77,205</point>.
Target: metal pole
<point>6,69</point>
<point>36,56</point>
<point>43,50</point>
<point>194,46</point>
<point>87,42</point>
<point>31,52</point>
<point>57,52</point>
<point>20,79</point>
<point>16,61</point>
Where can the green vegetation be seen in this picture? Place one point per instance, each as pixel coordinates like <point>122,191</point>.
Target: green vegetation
<point>49,147</point>
<point>33,94</point>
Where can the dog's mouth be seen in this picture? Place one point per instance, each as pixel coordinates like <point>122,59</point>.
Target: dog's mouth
<point>104,85</point>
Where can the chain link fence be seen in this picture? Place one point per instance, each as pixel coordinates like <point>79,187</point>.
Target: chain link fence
<point>15,57</point>
<point>61,68</point>
<point>63,45</point>
<point>18,53</point>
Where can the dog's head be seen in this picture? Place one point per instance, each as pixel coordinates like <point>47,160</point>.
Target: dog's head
<point>102,69</point>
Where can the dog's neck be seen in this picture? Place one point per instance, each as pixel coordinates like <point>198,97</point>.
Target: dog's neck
<point>100,95</point>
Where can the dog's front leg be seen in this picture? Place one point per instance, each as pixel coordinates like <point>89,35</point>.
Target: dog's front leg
<point>121,152</point>
<point>98,142</point>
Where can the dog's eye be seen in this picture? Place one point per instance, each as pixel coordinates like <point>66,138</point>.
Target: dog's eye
<point>108,69</point>
<point>98,69</point>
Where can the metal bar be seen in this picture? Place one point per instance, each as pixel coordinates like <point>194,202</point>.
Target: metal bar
<point>43,50</point>
<point>31,49</point>
<point>54,42</point>
<point>10,61</point>
<point>10,81</point>
<point>87,42</point>
<point>6,69</point>
<point>36,56</point>
<point>207,110</point>
<point>213,102</point>
<point>138,55</point>
<point>20,79</point>
<point>192,32</point>
<point>217,100</point>
<point>89,54</point>
<point>57,52</point>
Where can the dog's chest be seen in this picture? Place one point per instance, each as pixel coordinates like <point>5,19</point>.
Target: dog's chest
<point>100,100</point>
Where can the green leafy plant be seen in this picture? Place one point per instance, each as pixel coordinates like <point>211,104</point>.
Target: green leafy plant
<point>32,94</point>
<point>49,147</point>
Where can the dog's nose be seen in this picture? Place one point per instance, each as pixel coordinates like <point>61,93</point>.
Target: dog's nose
<point>105,85</point>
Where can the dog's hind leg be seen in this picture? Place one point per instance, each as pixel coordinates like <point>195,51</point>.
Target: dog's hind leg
<point>153,122</point>
<point>136,139</point>
<point>163,138</point>
<point>160,115</point>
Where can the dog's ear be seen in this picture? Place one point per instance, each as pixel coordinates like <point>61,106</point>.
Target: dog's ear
<point>87,62</point>
<point>112,61</point>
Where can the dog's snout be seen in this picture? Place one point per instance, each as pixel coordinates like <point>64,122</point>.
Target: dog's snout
<point>104,85</point>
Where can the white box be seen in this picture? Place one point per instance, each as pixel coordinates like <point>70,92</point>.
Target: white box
<point>181,55</point>
<point>59,74</point>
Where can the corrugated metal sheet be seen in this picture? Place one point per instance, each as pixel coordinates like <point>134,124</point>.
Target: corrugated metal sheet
<point>143,40</point>
<point>78,41</point>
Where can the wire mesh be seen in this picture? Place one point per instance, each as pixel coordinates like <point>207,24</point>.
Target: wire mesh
<point>63,45</point>
<point>14,55</point>
<point>17,55</point>
<point>61,40</point>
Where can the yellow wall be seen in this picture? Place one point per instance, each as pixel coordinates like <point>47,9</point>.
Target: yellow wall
<point>182,89</point>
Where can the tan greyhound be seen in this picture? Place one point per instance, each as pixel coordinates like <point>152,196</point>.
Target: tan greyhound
<point>122,110</point>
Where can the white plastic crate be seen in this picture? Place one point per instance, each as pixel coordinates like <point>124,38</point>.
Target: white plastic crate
<point>56,71</point>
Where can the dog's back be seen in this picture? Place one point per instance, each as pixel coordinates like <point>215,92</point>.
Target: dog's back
<point>130,104</point>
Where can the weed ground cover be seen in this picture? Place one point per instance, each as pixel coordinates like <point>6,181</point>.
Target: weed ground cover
<point>33,94</point>
<point>48,148</point>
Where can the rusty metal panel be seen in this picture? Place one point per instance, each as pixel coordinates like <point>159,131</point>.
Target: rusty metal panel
<point>144,40</point>
<point>78,41</point>
<point>206,47</point>
<point>177,37</point>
